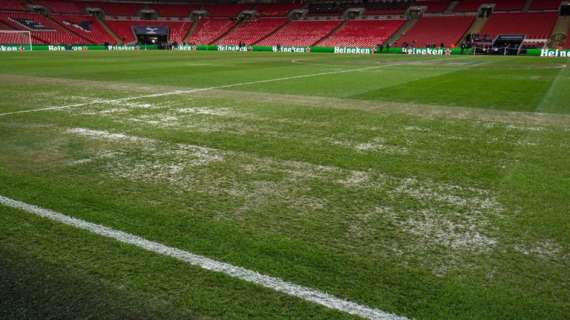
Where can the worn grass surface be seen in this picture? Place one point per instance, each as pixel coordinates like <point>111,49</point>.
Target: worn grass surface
<point>394,186</point>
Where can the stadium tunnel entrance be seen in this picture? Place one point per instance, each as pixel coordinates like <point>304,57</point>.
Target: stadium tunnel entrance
<point>157,35</point>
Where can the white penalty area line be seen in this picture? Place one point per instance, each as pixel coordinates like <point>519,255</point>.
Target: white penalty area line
<point>181,92</point>
<point>272,283</point>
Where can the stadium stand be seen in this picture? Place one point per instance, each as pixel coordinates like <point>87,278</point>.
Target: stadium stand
<point>117,9</point>
<point>209,29</point>
<point>301,33</point>
<point>363,33</point>
<point>434,6</point>
<point>86,26</point>
<point>12,5</point>
<point>124,29</point>
<point>275,10</point>
<point>470,5</point>
<point>386,8</point>
<point>545,5</point>
<point>65,7</point>
<point>436,30</point>
<point>4,26</point>
<point>67,22</point>
<point>12,38</point>
<point>534,25</point>
<point>225,10</point>
<point>500,5</point>
<point>509,5</point>
<point>327,8</point>
<point>174,10</point>
<point>43,30</point>
<point>252,31</point>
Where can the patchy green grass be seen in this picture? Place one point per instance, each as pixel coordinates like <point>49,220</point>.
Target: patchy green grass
<point>393,185</point>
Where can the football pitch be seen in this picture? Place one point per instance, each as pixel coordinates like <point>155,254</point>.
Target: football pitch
<point>208,185</point>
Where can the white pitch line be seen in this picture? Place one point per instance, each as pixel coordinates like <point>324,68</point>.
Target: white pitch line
<point>180,92</point>
<point>273,283</point>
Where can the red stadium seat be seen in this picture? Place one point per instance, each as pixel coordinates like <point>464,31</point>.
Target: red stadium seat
<point>275,10</point>
<point>117,9</point>
<point>58,6</point>
<point>534,25</point>
<point>210,29</point>
<point>545,5</point>
<point>12,5</point>
<point>251,31</point>
<point>434,6</point>
<point>301,33</point>
<point>225,10</point>
<point>96,33</point>
<point>174,10</point>
<point>53,33</point>
<point>363,33</point>
<point>436,30</point>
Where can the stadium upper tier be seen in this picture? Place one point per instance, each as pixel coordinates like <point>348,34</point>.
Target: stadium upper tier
<point>324,23</point>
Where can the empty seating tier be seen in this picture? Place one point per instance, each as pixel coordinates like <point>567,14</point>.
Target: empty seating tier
<point>386,8</point>
<point>174,10</point>
<point>363,33</point>
<point>43,30</point>
<point>434,6</point>
<point>251,31</point>
<point>210,29</point>
<point>225,10</point>
<point>437,30</point>
<point>117,9</point>
<point>300,33</point>
<point>509,5</point>
<point>87,26</point>
<point>58,6</point>
<point>12,5</point>
<point>534,25</point>
<point>275,10</point>
<point>545,5</point>
<point>469,5</point>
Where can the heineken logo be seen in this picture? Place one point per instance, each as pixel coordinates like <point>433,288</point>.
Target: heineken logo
<point>121,48</point>
<point>231,48</point>
<point>424,51</point>
<point>289,49</point>
<point>347,50</point>
<point>56,48</point>
<point>10,48</point>
<point>185,48</point>
<point>555,53</point>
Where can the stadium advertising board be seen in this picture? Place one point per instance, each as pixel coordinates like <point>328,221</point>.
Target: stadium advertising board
<point>555,53</point>
<point>232,48</point>
<point>184,47</point>
<point>425,51</point>
<point>122,48</point>
<point>290,49</point>
<point>11,48</point>
<point>350,50</point>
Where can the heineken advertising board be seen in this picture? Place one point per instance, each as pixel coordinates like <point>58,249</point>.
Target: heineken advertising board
<point>555,53</point>
<point>290,49</point>
<point>349,50</point>
<point>424,51</point>
<point>232,48</point>
<point>9,48</point>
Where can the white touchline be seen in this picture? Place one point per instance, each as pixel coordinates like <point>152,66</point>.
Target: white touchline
<point>273,283</point>
<point>180,92</point>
